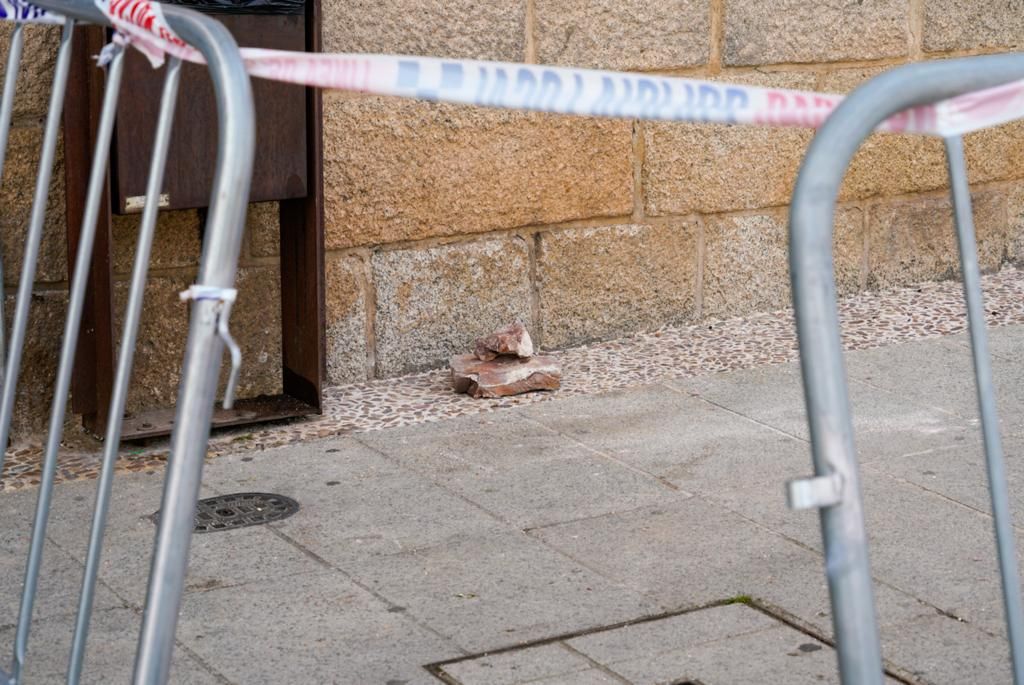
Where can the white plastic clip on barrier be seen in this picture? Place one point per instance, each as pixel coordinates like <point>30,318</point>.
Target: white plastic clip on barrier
<point>815,493</point>
<point>208,292</point>
<point>225,297</point>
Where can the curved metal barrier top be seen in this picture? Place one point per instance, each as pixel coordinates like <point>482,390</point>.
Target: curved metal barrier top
<point>836,488</point>
<point>212,297</point>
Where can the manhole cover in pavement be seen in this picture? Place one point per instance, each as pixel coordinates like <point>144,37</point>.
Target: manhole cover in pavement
<point>226,512</point>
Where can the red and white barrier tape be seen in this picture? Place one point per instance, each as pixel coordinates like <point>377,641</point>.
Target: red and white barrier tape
<point>584,92</point>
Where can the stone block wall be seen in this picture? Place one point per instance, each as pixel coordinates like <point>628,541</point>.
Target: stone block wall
<point>602,228</point>
<point>443,221</point>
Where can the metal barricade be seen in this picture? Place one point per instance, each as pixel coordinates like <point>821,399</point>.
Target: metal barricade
<point>835,489</point>
<point>208,331</point>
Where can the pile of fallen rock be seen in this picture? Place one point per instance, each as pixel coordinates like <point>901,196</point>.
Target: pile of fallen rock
<point>503,364</point>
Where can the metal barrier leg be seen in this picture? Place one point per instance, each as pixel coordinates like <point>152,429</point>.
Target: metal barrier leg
<point>204,348</point>
<point>6,112</point>
<point>835,490</point>
<point>133,315</point>
<point>69,344</point>
<point>814,299</point>
<point>35,235</point>
<point>1002,519</point>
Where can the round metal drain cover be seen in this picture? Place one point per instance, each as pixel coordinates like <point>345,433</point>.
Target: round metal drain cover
<point>226,512</point>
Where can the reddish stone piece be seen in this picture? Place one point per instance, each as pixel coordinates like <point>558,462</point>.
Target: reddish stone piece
<point>504,376</point>
<point>512,339</point>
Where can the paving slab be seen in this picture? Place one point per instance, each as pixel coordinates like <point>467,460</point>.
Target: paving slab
<point>664,649</point>
<point>545,662</point>
<point>720,644</point>
<point>493,591</point>
<point>940,649</point>
<point>524,474</point>
<point>1004,342</point>
<point>311,462</point>
<point>936,549</point>
<point>545,492</point>
<point>110,655</point>
<point>316,628</point>
<point>354,502</point>
<point>219,559</point>
<point>695,552</point>
<point>557,521</point>
<point>959,473</point>
<point>683,439</point>
<point>939,373</point>
<point>592,677</point>
<point>648,639</point>
<point>885,423</point>
<point>60,575</point>
<point>471,443</point>
<point>769,656</point>
<point>923,544</point>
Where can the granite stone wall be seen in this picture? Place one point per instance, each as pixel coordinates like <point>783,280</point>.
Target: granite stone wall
<point>443,222</point>
<point>609,227</point>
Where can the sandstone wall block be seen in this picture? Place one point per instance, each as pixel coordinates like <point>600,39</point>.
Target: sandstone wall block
<point>438,28</point>
<point>598,283</point>
<point>434,302</point>
<point>691,168</point>
<point>256,327</point>
<point>1015,224</point>
<point>625,35</point>
<point>707,169</point>
<point>346,319</point>
<point>401,170</point>
<point>967,25</point>
<point>177,242</point>
<point>20,169</point>
<point>263,226</point>
<point>161,340</point>
<point>913,240</point>
<point>746,262</point>
<point>784,31</point>
<point>35,75</point>
<point>39,362</point>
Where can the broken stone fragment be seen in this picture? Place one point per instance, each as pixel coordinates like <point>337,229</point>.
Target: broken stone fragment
<point>512,339</point>
<point>504,376</point>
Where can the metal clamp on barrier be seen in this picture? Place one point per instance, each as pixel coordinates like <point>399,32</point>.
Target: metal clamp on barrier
<point>815,493</point>
<point>225,297</point>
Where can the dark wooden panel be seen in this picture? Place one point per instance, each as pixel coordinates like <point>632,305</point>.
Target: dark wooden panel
<point>92,380</point>
<point>288,158</point>
<point>280,171</point>
<point>303,327</point>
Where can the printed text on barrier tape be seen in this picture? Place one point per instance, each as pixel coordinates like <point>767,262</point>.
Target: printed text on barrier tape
<point>19,10</point>
<point>562,90</point>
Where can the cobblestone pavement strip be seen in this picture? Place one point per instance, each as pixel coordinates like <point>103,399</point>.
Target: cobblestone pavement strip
<point>869,320</point>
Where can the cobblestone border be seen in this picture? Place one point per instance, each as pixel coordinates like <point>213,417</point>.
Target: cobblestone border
<point>869,320</point>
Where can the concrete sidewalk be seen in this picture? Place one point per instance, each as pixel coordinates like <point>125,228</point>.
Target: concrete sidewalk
<point>638,536</point>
